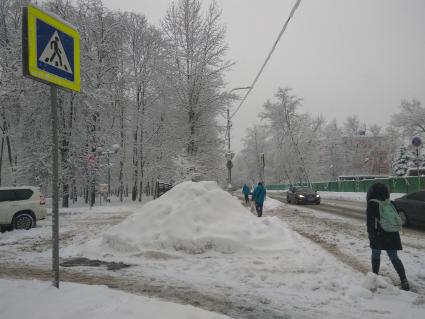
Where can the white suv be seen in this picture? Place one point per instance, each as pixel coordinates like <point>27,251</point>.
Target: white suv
<point>21,207</point>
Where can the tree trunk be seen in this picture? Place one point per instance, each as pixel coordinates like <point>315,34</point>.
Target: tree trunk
<point>121,182</point>
<point>135,167</point>
<point>93,171</point>
<point>65,195</point>
<point>141,157</point>
<point>74,194</point>
<point>86,193</point>
<point>140,189</point>
<point>9,151</point>
<point>191,142</point>
<point>1,157</point>
<point>67,175</point>
<point>122,134</point>
<point>93,189</point>
<point>147,189</point>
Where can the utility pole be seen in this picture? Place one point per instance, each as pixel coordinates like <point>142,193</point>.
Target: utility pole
<point>229,154</point>
<point>263,165</point>
<point>228,130</point>
<point>108,153</point>
<point>109,176</point>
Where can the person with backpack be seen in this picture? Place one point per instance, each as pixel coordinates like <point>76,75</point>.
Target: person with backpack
<point>245,191</point>
<point>383,226</point>
<point>258,196</point>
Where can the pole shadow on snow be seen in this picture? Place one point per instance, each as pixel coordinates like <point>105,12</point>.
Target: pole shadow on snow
<point>82,261</point>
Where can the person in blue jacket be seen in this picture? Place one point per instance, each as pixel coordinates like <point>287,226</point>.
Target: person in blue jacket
<point>258,196</point>
<point>245,191</point>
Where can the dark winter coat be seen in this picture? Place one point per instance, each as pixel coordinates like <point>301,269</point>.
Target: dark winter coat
<point>259,194</point>
<point>245,190</point>
<point>380,239</point>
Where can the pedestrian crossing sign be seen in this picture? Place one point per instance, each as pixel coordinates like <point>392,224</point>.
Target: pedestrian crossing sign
<point>51,49</point>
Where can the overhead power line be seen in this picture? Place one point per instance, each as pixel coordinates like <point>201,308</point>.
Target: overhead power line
<point>268,56</point>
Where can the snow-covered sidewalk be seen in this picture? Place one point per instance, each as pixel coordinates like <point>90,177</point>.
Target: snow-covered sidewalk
<point>34,299</point>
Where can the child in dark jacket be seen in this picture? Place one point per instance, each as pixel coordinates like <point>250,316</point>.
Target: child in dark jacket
<point>258,196</point>
<point>245,191</point>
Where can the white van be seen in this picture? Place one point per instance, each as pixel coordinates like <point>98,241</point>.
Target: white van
<point>21,207</point>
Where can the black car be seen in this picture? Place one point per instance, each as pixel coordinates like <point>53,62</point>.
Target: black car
<point>302,195</point>
<point>411,208</point>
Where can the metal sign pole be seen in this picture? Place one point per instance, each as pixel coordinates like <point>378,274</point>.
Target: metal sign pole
<point>55,188</point>
<point>51,55</point>
<point>109,175</point>
<point>417,143</point>
<point>417,161</point>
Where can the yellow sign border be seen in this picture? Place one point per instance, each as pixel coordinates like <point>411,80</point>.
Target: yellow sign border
<point>35,13</point>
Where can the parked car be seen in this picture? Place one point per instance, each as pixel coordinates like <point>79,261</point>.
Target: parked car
<point>302,195</point>
<point>411,208</point>
<point>21,207</point>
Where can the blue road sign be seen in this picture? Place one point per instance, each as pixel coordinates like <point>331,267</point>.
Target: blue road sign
<point>51,49</point>
<point>55,51</point>
<point>416,142</point>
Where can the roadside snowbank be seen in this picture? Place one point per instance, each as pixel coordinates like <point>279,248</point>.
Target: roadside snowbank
<point>75,301</point>
<point>195,218</point>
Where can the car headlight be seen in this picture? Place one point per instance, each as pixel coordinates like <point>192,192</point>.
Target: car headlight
<point>300,196</point>
<point>317,196</point>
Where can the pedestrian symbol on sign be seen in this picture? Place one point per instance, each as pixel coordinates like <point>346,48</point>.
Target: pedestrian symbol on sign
<point>55,55</point>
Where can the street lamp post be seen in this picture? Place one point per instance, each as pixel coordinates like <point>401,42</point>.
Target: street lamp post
<point>229,154</point>
<point>114,149</point>
<point>417,143</point>
<point>262,165</point>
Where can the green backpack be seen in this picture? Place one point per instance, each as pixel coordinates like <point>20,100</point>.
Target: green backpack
<point>389,219</point>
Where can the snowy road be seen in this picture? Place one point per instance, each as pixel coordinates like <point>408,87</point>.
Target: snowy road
<point>338,207</point>
<point>339,227</point>
<point>344,208</point>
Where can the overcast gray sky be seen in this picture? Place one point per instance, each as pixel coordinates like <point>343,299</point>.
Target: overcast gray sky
<point>343,57</point>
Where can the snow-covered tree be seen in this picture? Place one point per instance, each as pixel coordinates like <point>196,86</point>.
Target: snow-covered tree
<point>411,119</point>
<point>196,64</point>
<point>405,159</point>
<point>249,167</point>
<point>296,135</point>
<point>401,160</point>
<point>144,50</point>
<point>351,126</point>
<point>333,151</point>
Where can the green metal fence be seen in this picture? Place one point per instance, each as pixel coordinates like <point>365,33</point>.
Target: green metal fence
<point>395,185</point>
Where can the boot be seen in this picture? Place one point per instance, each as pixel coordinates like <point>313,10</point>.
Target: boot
<point>398,265</point>
<point>405,285</point>
<point>375,265</point>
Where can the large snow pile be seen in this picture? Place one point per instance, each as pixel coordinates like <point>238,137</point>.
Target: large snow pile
<point>72,301</point>
<point>194,218</point>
